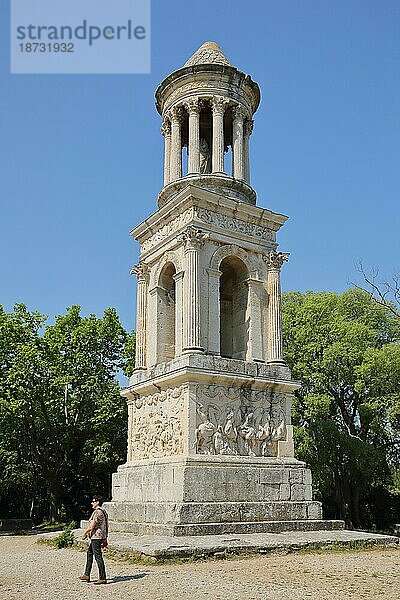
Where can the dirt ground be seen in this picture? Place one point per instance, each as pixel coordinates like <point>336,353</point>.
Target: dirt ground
<point>31,571</point>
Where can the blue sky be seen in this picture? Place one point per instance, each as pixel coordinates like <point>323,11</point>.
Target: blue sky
<point>81,155</point>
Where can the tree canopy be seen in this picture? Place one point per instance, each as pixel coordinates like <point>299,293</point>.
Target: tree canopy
<point>62,419</point>
<point>63,422</point>
<point>345,351</point>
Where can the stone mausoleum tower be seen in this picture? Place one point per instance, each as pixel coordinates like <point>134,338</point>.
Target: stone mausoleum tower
<point>210,446</point>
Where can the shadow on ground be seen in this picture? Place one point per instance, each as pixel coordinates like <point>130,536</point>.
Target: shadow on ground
<point>121,578</point>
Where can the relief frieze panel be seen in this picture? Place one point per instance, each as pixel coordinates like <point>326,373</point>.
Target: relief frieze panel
<point>233,224</point>
<point>157,424</point>
<point>239,421</point>
<point>208,90</point>
<point>166,230</point>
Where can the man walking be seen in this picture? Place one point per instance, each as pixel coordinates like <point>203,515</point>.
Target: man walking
<point>97,530</point>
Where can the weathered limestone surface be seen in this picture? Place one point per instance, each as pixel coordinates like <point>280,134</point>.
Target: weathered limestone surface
<point>210,439</point>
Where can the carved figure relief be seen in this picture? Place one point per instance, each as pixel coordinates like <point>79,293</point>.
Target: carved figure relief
<point>169,228</point>
<point>156,427</point>
<point>238,421</point>
<point>205,431</point>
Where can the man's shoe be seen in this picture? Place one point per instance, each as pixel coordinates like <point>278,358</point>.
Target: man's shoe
<point>85,578</point>
<point>100,581</point>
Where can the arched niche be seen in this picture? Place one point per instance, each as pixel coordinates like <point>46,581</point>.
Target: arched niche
<point>166,313</point>
<point>232,250</point>
<point>233,299</point>
<point>168,257</point>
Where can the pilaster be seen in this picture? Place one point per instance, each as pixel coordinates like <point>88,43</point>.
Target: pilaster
<point>214,342</point>
<point>178,278</point>
<point>257,299</point>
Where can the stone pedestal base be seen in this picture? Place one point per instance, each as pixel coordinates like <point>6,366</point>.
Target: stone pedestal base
<point>203,495</point>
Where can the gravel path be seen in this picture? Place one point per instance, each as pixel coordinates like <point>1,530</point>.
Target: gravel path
<point>29,571</point>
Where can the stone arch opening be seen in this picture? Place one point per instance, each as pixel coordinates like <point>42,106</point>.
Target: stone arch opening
<point>233,290</point>
<point>166,313</point>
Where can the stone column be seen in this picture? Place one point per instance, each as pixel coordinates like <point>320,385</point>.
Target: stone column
<point>192,239</point>
<point>141,271</point>
<point>178,278</point>
<point>166,131</point>
<point>193,108</point>
<point>274,262</point>
<point>175,165</point>
<point>214,325</point>
<point>218,104</point>
<point>248,128</point>
<point>238,150</point>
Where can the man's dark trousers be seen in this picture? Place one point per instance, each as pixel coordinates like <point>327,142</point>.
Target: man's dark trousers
<point>95,548</point>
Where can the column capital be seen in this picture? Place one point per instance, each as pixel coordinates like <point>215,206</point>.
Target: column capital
<point>239,112</point>
<point>275,260</point>
<point>166,127</point>
<point>141,270</point>
<point>193,238</point>
<point>193,106</point>
<point>248,127</point>
<point>219,104</point>
<point>176,114</point>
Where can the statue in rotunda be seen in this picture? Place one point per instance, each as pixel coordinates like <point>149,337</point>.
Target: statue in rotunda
<point>205,157</point>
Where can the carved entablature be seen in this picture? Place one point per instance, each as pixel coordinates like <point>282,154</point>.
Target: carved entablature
<point>157,424</point>
<point>228,223</point>
<point>240,421</point>
<point>208,89</point>
<point>167,230</point>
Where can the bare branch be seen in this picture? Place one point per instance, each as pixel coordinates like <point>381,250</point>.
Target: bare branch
<point>383,292</point>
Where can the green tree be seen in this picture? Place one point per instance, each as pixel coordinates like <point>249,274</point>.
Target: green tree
<point>60,404</point>
<point>20,348</point>
<point>128,354</point>
<point>344,349</point>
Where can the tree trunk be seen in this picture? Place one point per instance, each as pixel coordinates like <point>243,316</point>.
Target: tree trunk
<point>355,506</point>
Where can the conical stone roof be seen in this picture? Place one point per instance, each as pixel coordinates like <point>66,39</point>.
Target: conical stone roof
<point>208,53</point>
